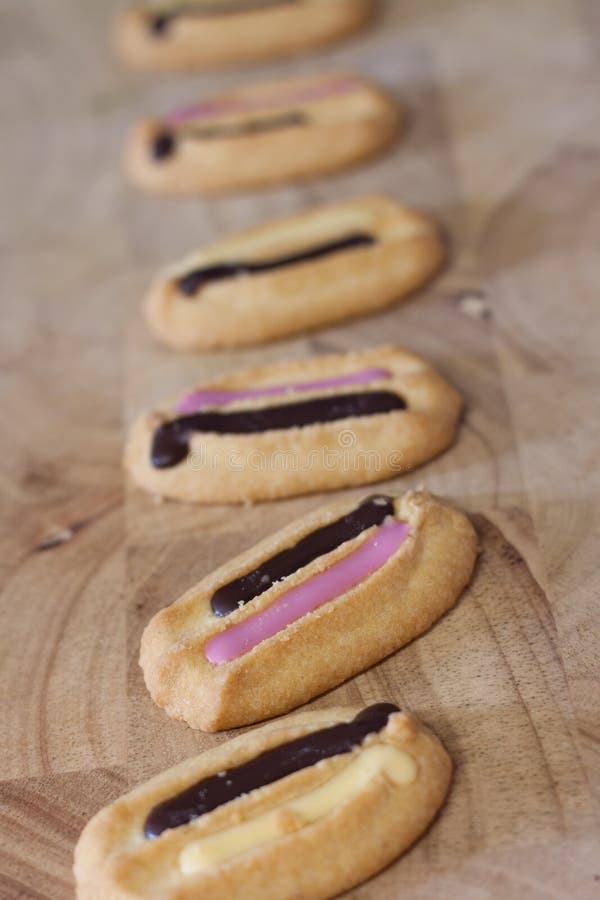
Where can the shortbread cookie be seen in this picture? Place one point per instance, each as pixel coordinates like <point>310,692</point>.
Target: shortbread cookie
<point>305,807</point>
<point>307,608</point>
<point>263,134</point>
<point>291,428</point>
<point>295,274</point>
<point>179,35</point>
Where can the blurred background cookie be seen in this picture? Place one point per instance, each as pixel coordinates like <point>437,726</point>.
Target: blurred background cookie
<point>201,34</point>
<point>330,263</point>
<point>262,134</point>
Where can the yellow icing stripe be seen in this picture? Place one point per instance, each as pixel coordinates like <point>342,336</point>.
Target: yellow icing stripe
<point>366,764</point>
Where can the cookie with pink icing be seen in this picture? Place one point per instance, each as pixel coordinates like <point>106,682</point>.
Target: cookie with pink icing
<point>185,35</point>
<point>295,274</point>
<point>307,608</point>
<point>263,134</point>
<point>295,427</point>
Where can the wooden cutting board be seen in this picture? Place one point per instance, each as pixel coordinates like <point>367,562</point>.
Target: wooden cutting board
<point>503,145</point>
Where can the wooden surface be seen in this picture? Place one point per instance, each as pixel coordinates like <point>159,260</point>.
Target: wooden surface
<point>504,146</point>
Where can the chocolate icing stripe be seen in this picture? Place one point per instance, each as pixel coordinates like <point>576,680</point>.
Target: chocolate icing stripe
<point>165,143</point>
<point>231,596</point>
<point>190,283</point>
<point>160,21</point>
<point>266,768</point>
<point>170,444</point>
<point>247,126</point>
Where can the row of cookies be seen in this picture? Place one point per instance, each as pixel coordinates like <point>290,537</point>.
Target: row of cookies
<point>315,803</point>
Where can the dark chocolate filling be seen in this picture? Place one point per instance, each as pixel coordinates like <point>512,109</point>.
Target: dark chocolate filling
<point>170,444</point>
<point>164,144</point>
<point>160,22</point>
<point>192,282</point>
<point>267,767</point>
<point>246,126</point>
<point>371,511</point>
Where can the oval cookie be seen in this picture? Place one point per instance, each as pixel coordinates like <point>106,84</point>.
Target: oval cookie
<point>307,608</point>
<point>295,274</point>
<point>263,134</point>
<point>264,815</point>
<point>292,428</point>
<point>200,34</point>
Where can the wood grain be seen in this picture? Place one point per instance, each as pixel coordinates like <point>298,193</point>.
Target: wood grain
<point>503,145</point>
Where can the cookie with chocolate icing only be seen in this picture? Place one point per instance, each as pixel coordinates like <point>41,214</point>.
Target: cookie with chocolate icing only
<point>293,428</point>
<point>324,599</point>
<point>295,274</point>
<point>263,816</point>
<point>263,134</point>
<point>185,35</point>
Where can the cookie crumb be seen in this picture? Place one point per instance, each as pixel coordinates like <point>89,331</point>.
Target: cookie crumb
<point>289,821</point>
<point>473,304</point>
<point>55,538</point>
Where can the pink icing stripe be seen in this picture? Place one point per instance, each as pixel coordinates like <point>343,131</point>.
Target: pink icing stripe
<point>198,399</point>
<point>210,108</point>
<point>339,578</point>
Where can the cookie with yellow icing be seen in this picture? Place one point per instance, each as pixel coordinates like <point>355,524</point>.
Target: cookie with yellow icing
<point>307,806</point>
<point>295,274</point>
